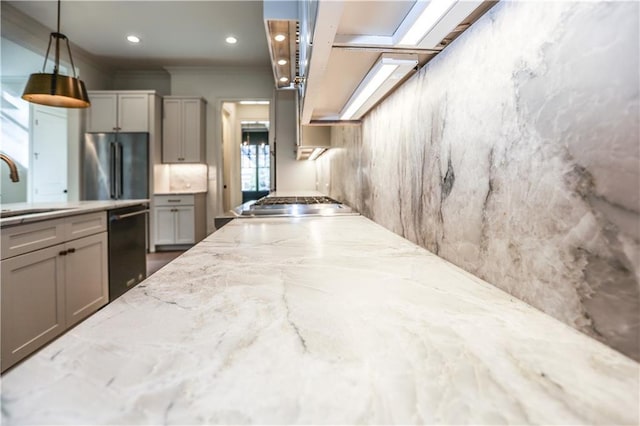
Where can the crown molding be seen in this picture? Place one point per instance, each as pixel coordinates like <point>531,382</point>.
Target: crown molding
<point>218,70</point>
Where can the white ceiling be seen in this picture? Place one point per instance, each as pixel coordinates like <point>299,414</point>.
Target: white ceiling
<point>173,33</point>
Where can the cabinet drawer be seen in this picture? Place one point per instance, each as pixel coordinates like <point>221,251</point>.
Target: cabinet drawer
<point>174,200</point>
<point>86,224</point>
<point>32,236</point>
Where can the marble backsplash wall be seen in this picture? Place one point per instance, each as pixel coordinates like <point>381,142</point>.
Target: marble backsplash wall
<point>515,155</point>
<point>178,178</point>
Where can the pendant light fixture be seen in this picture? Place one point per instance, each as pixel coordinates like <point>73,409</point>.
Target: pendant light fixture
<point>55,89</point>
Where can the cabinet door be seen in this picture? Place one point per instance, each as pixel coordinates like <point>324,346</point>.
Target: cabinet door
<point>133,112</point>
<point>87,278</point>
<point>33,302</point>
<point>165,226</point>
<point>185,225</point>
<point>172,132</point>
<point>102,114</point>
<point>191,131</point>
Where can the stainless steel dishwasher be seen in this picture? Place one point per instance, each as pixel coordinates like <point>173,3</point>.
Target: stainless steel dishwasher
<point>127,248</point>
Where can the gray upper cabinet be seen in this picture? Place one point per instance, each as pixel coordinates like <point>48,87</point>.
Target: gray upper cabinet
<point>118,112</point>
<point>183,130</point>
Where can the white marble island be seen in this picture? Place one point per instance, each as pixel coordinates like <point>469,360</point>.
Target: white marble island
<point>319,320</point>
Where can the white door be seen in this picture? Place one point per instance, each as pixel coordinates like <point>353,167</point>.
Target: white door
<point>49,155</point>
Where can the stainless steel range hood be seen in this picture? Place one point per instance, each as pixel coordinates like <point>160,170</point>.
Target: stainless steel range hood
<point>281,21</point>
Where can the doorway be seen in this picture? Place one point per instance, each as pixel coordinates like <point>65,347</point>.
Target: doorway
<point>49,154</point>
<point>246,151</point>
<point>255,170</point>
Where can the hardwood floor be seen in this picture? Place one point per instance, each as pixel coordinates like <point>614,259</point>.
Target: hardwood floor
<point>158,259</point>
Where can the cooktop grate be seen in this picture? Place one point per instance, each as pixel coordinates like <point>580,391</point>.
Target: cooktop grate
<point>275,201</point>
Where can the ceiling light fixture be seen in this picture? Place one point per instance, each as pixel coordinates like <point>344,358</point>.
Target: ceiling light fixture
<point>383,76</point>
<point>133,39</point>
<point>282,62</point>
<point>56,89</point>
<point>281,34</point>
<point>231,40</point>
<point>428,19</point>
<point>427,24</point>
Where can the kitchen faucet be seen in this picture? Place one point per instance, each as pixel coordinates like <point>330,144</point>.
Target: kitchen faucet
<point>13,170</point>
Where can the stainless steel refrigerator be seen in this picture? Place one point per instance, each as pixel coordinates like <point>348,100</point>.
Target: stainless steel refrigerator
<point>115,166</point>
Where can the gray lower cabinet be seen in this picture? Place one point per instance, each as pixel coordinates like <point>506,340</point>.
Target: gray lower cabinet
<point>32,302</point>
<point>47,290</point>
<point>175,225</point>
<point>180,220</point>
<point>87,277</point>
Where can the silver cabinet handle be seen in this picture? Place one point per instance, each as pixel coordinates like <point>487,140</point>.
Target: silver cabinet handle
<point>112,169</point>
<point>122,216</point>
<point>120,171</point>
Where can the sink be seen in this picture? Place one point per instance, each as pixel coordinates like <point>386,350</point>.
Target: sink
<point>14,213</point>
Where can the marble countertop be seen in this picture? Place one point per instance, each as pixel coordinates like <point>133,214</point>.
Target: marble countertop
<point>319,320</point>
<point>61,209</point>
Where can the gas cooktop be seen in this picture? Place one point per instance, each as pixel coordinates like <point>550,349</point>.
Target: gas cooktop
<point>273,201</point>
<point>296,206</point>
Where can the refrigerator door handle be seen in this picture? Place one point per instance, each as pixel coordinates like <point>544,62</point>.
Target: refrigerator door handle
<point>120,171</point>
<point>112,170</point>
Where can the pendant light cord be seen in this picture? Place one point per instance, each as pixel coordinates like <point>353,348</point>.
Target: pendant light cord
<point>59,1</point>
<point>55,68</point>
<point>57,35</point>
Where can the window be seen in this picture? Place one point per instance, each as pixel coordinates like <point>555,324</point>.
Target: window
<point>14,119</point>
<point>254,164</point>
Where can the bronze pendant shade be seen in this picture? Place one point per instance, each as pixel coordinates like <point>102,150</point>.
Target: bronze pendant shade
<point>56,89</point>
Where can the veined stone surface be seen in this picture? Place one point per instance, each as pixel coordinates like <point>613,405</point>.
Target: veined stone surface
<point>325,320</point>
<point>515,154</point>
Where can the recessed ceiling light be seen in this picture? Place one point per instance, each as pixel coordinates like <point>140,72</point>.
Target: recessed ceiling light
<point>279,37</point>
<point>231,40</point>
<point>282,62</point>
<point>133,39</point>
<point>284,79</point>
